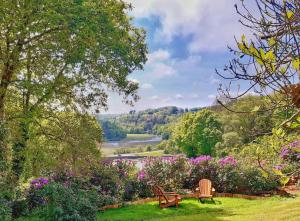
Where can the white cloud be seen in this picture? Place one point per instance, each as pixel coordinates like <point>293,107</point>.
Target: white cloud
<point>211,96</point>
<point>211,24</point>
<point>161,70</point>
<point>155,97</point>
<point>161,65</point>
<point>146,86</point>
<point>135,81</point>
<point>158,56</point>
<point>179,96</point>
<point>195,96</point>
<point>215,80</point>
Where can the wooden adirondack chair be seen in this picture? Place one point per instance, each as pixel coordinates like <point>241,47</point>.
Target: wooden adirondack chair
<point>205,190</point>
<point>166,199</point>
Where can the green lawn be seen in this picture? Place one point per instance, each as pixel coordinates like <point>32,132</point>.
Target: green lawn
<point>131,137</point>
<point>155,153</point>
<point>271,209</point>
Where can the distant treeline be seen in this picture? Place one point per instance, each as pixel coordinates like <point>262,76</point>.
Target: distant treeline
<point>111,131</point>
<point>151,121</point>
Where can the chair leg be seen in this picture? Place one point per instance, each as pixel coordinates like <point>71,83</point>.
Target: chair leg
<point>201,200</point>
<point>212,199</point>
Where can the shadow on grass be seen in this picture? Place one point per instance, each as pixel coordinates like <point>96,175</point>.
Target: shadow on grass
<point>189,210</point>
<point>207,201</point>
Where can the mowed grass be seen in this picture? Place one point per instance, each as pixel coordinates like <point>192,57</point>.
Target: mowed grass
<point>233,209</point>
<point>133,142</point>
<point>132,137</point>
<point>155,153</point>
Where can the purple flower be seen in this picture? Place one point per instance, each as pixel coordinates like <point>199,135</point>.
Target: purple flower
<point>39,183</point>
<point>278,167</point>
<point>284,152</point>
<point>291,150</point>
<point>141,175</point>
<point>200,159</point>
<point>229,160</point>
<point>295,144</point>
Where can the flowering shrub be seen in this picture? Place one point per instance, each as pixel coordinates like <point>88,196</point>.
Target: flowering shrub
<point>226,174</point>
<point>116,181</point>
<point>228,161</point>
<point>291,152</point>
<point>35,197</point>
<point>124,168</point>
<point>200,168</point>
<point>39,183</point>
<point>66,203</point>
<point>168,172</point>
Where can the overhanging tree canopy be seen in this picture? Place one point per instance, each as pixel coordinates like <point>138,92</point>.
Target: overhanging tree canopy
<point>63,56</point>
<point>270,59</point>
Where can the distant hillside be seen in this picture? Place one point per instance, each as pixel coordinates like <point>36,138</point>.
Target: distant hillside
<point>147,121</point>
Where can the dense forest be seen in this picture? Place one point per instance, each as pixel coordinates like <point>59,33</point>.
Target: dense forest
<point>212,130</point>
<point>150,121</point>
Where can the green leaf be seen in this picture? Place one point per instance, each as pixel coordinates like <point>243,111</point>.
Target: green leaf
<point>243,37</point>
<point>279,132</point>
<point>256,108</point>
<point>294,125</point>
<point>289,14</point>
<point>297,150</point>
<point>264,173</point>
<point>284,180</point>
<point>278,172</point>
<point>296,64</point>
<point>272,42</point>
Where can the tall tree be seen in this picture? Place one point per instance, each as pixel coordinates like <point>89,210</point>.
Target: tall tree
<point>197,133</point>
<point>63,55</point>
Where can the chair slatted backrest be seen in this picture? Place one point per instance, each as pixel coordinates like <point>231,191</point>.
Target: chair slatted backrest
<point>205,187</point>
<point>158,191</point>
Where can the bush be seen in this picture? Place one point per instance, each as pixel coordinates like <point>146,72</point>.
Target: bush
<point>67,197</point>
<point>149,148</point>
<point>5,210</point>
<point>168,172</point>
<point>130,190</point>
<point>254,181</point>
<point>20,208</point>
<point>202,167</point>
<point>115,181</point>
<point>60,203</point>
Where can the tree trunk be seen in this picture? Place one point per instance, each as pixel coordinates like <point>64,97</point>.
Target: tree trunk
<point>18,150</point>
<point>3,147</point>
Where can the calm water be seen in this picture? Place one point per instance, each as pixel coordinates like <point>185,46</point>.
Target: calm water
<point>132,143</point>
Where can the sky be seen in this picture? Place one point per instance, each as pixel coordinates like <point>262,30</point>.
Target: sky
<point>187,41</point>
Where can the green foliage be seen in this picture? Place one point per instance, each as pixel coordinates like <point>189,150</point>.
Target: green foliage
<point>169,173</point>
<point>57,56</point>
<point>245,122</point>
<point>5,210</point>
<point>198,133</point>
<point>112,131</point>
<point>67,141</point>
<point>150,121</point>
<point>66,204</point>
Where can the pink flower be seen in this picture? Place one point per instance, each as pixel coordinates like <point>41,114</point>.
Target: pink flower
<point>229,160</point>
<point>200,159</point>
